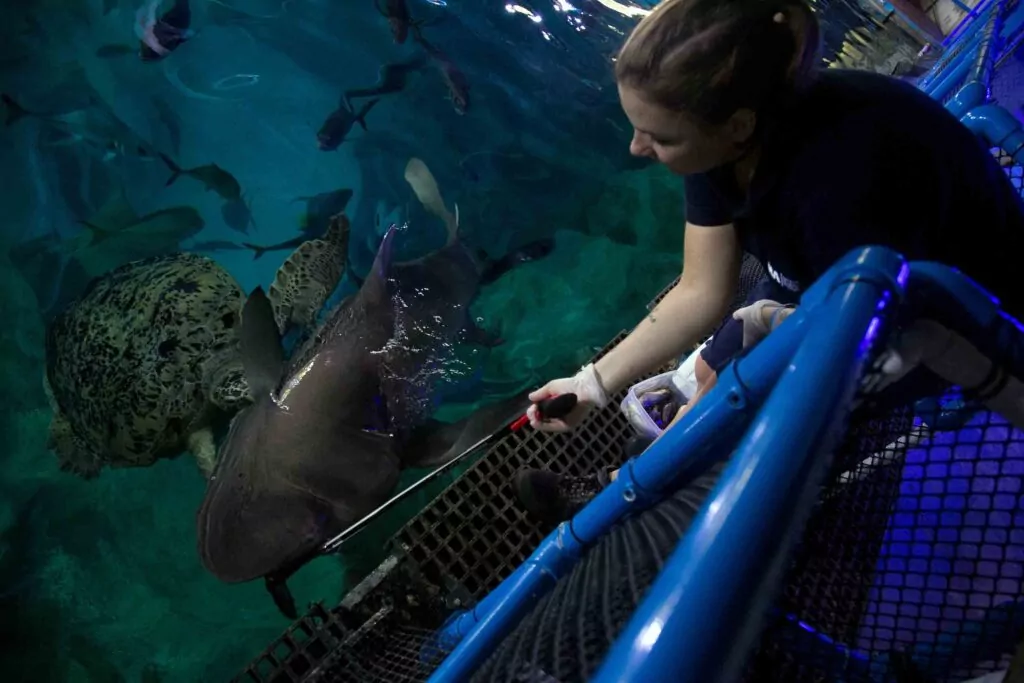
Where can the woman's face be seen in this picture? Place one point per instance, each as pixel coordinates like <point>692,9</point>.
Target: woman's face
<point>677,140</point>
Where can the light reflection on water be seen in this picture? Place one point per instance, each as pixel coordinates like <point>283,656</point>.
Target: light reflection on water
<point>423,357</point>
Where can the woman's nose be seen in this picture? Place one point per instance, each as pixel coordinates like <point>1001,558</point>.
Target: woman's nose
<point>638,147</point>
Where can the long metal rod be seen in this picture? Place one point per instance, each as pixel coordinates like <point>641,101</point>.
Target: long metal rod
<point>333,544</point>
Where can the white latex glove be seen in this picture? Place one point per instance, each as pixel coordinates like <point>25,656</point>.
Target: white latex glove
<point>760,318</point>
<point>589,392</point>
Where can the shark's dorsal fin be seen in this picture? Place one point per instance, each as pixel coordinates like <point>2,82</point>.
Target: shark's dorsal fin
<point>423,184</point>
<point>262,353</point>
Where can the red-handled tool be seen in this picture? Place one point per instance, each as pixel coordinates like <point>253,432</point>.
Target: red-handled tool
<point>554,407</point>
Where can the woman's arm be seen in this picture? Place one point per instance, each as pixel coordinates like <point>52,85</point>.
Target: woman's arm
<point>711,259</point>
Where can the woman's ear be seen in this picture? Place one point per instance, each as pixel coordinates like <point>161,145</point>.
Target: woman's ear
<point>741,126</point>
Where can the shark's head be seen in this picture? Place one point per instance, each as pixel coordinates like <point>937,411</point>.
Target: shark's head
<point>251,523</point>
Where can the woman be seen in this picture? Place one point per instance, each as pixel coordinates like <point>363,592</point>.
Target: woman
<point>793,165</point>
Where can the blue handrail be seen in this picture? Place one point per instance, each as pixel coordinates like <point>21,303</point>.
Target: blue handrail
<point>703,613</point>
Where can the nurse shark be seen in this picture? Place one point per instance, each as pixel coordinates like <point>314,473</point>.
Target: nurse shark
<point>327,435</point>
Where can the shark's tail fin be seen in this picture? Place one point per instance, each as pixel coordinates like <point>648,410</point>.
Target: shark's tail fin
<point>422,182</point>
<point>14,110</point>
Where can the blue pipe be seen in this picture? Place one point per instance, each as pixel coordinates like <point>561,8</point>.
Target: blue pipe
<point>968,309</point>
<point>702,614</point>
<point>1013,22</point>
<point>833,659</point>
<point>961,65</point>
<point>979,73</point>
<point>997,127</point>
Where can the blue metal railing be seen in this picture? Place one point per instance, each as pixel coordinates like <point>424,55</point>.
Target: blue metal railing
<point>962,78</point>
<point>739,544</point>
<point>789,396</point>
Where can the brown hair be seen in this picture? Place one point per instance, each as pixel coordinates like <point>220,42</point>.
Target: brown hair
<point>710,58</point>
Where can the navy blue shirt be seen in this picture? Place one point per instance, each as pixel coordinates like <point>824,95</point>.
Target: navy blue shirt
<point>864,159</point>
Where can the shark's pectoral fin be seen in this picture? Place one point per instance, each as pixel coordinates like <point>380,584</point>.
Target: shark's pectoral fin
<point>436,443</point>
<point>355,475</point>
<point>262,353</point>
<point>429,444</point>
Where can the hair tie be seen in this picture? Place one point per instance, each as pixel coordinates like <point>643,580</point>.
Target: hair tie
<point>779,18</point>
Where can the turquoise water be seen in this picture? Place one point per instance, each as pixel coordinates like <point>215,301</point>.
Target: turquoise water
<point>100,579</point>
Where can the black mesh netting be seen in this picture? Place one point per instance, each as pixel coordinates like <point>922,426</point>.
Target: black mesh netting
<point>909,569</point>
<point>567,633</point>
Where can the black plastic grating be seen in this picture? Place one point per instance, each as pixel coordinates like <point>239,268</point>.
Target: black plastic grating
<point>387,651</point>
<point>295,655</point>
<point>476,532</point>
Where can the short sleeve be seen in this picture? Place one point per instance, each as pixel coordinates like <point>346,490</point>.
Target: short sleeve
<point>705,204</point>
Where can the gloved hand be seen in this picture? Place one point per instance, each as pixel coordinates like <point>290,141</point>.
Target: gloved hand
<point>589,392</point>
<point>760,318</point>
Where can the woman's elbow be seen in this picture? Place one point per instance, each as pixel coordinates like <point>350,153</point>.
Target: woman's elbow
<point>708,294</point>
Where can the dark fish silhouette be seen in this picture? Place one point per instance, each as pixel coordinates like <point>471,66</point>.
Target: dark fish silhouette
<point>454,80</point>
<point>340,122</point>
<point>320,209</point>
<point>211,175</point>
<point>399,19</point>
<point>93,125</point>
<point>392,78</point>
<point>237,215</point>
<point>215,245</point>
